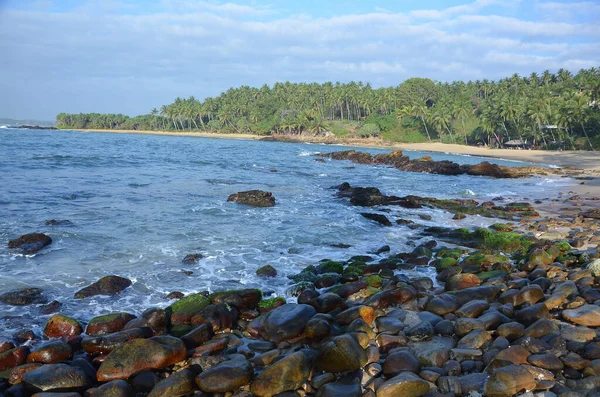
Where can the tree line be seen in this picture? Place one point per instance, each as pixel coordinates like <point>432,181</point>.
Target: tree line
<point>547,110</point>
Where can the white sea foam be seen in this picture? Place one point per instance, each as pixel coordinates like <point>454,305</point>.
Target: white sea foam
<point>305,153</point>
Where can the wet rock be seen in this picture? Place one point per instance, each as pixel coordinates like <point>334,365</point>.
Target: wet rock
<point>154,318</point>
<point>347,316</point>
<point>16,373</point>
<point>588,315</point>
<point>546,361</point>
<point>190,259</point>
<point>343,353</point>
<point>104,344</point>
<point>139,355</point>
<point>255,198</point>
<point>145,381</point>
<point>509,380</point>
<point>401,361</point>
<point>379,218</point>
<point>442,304</point>
<point>433,353</point>
<point>472,309</point>
<point>266,271</point>
<point>405,384</point>
<point>108,285</point>
<point>56,378</point>
<point>108,323</point>
<point>23,296</point>
<point>283,323</point>
<point>13,357</point>
<point>289,373</point>
<point>58,222</point>
<point>225,377</point>
<point>60,325</point>
<point>51,353</point>
<point>30,243</point>
<point>245,299</point>
<point>220,316</point>
<point>531,314</point>
<point>512,355</point>
<point>198,336</point>
<point>180,383</point>
<point>52,307</point>
<point>181,312</point>
<point>462,281</point>
<point>116,388</point>
<point>174,295</point>
<point>419,332</point>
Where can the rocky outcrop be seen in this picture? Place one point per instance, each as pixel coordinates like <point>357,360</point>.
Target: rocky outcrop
<point>254,198</point>
<point>30,243</point>
<point>108,285</point>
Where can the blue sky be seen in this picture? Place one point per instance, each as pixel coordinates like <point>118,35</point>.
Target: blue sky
<point>127,56</point>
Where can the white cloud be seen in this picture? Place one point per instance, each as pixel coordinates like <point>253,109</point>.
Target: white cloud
<point>114,62</point>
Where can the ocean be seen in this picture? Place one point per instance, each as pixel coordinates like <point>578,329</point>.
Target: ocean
<point>137,204</point>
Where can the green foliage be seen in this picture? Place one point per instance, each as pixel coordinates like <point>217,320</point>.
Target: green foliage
<point>550,110</point>
<point>369,130</point>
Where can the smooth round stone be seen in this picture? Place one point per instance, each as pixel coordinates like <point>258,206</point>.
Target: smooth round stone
<point>116,388</point>
<point>400,361</point>
<point>60,377</point>
<point>289,373</point>
<point>546,361</point>
<point>405,384</point>
<point>511,331</point>
<point>341,354</point>
<point>420,332</point>
<point>588,315</point>
<point>390,325</point>
<point>444,327</point>
<point>51,353</point>
<point>509,380</point>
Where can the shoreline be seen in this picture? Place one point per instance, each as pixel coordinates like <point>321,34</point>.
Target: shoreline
<point>589,161</point>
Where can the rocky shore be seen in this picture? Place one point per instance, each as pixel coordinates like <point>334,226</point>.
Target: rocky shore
<point>514,308</point>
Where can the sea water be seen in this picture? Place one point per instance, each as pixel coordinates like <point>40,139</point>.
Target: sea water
<point>137,204</point>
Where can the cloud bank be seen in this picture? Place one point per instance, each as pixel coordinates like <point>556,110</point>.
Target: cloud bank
<point>126,57</point>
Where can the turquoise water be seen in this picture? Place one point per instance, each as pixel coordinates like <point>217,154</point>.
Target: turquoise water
<point>139,203</point>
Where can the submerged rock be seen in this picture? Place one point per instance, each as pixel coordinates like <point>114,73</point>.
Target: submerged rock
<point>30,243</point>
<point>108,285</point>
<point>255,198</point>
<point>22,297</point>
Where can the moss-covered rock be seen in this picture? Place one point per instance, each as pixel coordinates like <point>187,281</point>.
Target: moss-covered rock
<point>443,263</point>
<point>330,267</point>
<point>492,274</point>
<point>266,271</point>
<point>501,227</point>
<point>182,311</point>
<point>373,280</point>
<point>507,242</point>
<point>271,303</point>
<point>479,261</point>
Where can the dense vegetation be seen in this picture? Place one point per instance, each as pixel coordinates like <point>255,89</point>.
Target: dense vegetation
<point>551,110</point>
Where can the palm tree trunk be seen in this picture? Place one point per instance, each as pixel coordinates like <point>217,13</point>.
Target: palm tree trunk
<point>587,137</point>
<point>426,130</point>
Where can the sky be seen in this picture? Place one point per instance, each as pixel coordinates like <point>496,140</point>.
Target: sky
<point>126,56</point>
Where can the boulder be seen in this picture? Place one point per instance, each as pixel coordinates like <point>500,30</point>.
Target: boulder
<point>588,315</point>
<point>56,378</point>
<point>405,384</point>
<point>190,259</point>
<point>509,380</point>
<point>60,325</point>
<point>108,323</point>
<point>289,373</point>
<point>225,377</point>
<point>266,271</point>
<point>104,344</point>
<point>139,355</point>
<point>154,318</point>
<point>115,388</point>
<point>244,299</point>
<point>342,353</point>
<point>30,243</point>
<point>23,296</point>
<point>255,198</point>
<point>13,357</point>
<point>462,281</point>
<point>283,323</point>
<point>108,285</point>
<point>51,353</point>
<point>181,312</point>
<point>401,361</point>
<point>180,383</point>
